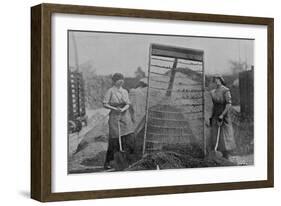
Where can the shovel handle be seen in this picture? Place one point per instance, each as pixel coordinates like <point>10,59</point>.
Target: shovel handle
<point>219,123</point>
<point>218,138</point>
<point>119,137</point>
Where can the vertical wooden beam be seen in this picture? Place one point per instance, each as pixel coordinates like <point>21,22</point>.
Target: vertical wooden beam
<point>203,105</point>
<point>147,101</point>
<point>172,78</point>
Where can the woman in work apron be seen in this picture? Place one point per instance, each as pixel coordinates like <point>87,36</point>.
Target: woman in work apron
<point>221,98</point>
<point>120,122</point>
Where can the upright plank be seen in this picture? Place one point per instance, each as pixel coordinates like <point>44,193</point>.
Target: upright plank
<point>147,101</point>
<point>36,59</point>
<point>172,78</point>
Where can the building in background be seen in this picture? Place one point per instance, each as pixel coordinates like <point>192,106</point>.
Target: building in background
<point>76,102</point>
<point>246,87</point>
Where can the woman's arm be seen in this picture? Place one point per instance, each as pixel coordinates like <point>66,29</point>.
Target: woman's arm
<point>126,107</point>
<point>107,106</point>
<point>106,101</point>
<point>227,96</point>
<point>227,107</point>
<point>126,99</point>
<point>209,122</point>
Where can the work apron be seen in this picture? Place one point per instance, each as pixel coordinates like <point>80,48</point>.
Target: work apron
<point>123,119</point>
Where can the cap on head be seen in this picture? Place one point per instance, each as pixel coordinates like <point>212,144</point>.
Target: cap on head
<point>220,78</point>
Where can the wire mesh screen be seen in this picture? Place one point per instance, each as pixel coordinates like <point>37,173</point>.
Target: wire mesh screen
<point>175,99</point>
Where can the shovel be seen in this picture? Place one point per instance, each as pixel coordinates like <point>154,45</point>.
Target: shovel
<point>215,153</point>
<point>120,157</point>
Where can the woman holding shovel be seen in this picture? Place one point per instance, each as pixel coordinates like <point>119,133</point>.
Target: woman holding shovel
<point>121,138</point>
<point>222,137</point>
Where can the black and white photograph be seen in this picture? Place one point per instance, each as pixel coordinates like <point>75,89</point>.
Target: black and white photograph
<point>156,102</point>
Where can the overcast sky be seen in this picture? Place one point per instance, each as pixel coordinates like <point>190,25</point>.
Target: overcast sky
<point>113,52</point>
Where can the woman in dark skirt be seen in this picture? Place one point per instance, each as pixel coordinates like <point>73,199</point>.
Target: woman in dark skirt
<point>120,122</point>
<point>221,98</point>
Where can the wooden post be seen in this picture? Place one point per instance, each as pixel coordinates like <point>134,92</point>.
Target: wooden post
<point>172,78</point>
<point>203,105</point>
<point>147,102</point>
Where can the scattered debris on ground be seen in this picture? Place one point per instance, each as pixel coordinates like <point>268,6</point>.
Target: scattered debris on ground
<point>97,160</point>
<point>183,156</point>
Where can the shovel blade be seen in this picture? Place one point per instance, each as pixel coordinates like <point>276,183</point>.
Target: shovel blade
<point>120,161</point>
<point>215,154</point>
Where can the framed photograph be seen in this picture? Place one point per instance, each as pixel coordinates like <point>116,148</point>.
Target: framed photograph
<point>130,102</point>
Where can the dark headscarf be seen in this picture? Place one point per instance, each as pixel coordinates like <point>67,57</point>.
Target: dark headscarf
<point>117,76</point>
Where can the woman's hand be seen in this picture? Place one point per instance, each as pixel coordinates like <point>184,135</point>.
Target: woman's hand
<point>209,122</point>
<point>220,120</point>
<point>121,110</point>
<point>124,108</point>
<point>116,109</point>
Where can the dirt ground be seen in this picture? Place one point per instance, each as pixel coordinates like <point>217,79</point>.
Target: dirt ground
<point>87,149</point>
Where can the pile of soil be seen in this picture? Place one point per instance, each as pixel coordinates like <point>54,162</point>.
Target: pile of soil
<point>178,156</point>
<point>192,149</point>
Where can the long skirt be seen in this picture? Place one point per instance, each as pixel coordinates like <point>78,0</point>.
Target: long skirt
<point>226,137</point>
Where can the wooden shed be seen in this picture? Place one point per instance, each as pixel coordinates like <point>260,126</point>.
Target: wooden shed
<point>246,87</point>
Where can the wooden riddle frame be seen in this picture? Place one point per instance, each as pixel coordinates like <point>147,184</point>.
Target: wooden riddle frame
<point>162,50</point>
<point>41,101</point>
